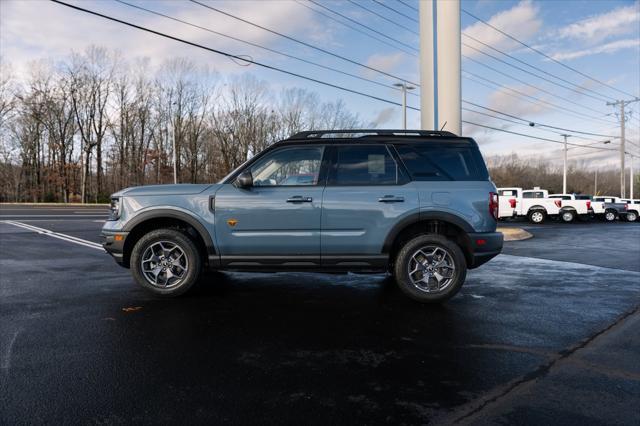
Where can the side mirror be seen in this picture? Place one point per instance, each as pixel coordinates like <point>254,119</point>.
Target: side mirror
<point>244,180</point>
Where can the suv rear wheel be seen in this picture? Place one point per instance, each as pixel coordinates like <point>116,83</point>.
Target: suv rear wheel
<point>430,268</point>
<point>166,262</point>
<point>631,216</point>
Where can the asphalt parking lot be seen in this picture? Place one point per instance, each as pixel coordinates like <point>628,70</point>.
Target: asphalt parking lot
<point>548,332</point>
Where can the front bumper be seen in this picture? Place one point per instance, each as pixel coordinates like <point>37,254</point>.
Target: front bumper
<point>484,247</point>
<point>113,243</point>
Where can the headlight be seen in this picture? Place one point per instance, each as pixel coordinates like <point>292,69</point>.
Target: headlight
<point>114,209</point>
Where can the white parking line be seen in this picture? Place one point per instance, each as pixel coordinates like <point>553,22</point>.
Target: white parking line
<point>64,237</point>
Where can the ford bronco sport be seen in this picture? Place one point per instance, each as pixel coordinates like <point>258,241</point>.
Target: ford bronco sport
<point>417,204</point>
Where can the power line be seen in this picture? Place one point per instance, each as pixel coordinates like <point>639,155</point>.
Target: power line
<point>580,90</point>
<point>536,123</point>
<point>228,55</point>
<point>373,12</point>
<point>553,105</point>
<point>326,15</point>
<point>304,43</point>
<point>555,132</point>
<point>396,11</point>
<point>537,137</point>
<point>362,25</point>
<point>545,55</point>
<point>408,5</point>
<point>527,84</point>
<point>523,97</point>
<point>259,46</point>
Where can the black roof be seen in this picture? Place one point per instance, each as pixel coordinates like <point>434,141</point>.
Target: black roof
<point>365,133</point>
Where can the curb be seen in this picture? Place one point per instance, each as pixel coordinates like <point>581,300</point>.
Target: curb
<point>515,234</point>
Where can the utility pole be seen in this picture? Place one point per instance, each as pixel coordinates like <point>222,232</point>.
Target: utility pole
<point>440,56</point>
<point>564,173</point>
<point>622,104</point>
<point>404,87</point>
<point>631,176</point>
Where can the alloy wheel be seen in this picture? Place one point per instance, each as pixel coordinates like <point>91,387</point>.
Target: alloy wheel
<point>164,264</point>
<point>431,269</point>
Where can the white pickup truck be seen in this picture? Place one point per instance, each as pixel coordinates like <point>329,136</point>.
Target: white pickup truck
<point>633,209</point>
<point>572,206</point>
<point>535,204</point>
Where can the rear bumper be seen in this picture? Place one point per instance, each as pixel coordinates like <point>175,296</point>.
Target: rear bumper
<point>114,246</point>
<point>484,247</point>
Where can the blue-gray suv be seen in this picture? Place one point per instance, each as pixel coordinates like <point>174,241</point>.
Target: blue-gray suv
<point>417,204</point>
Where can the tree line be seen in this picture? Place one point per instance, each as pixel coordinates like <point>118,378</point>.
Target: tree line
<point>82,127</point>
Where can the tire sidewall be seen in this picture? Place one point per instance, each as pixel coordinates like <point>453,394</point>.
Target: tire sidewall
<point>401,272</point>
<point>606,216</point>
<point>186,244</point>
<point>634,217</point>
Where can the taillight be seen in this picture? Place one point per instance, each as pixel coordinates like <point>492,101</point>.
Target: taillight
<point>493,205</point>
<point>588,205</point>
<point>558,203</point>
<point>626,206</point>
<point>512,203</point>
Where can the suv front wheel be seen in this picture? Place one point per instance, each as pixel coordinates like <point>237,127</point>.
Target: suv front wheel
<point>166,262</point>
<point>430,268</point>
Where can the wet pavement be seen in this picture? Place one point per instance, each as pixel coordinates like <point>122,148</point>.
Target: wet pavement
<point>535,336</point>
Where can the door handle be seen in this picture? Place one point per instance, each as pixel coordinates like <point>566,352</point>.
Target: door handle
<point>391,199</point>
<point>299,199</point>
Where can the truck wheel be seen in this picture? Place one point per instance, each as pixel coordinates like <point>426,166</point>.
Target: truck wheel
<point>166,262</point>
<point>430,268</point>
<point>610,215</point>
<point>632,216</point>
<point>537,216</point>
<point>568,216</point>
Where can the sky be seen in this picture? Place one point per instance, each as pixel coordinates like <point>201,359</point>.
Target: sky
<point>600,38</point>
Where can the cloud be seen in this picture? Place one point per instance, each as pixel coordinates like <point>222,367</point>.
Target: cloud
<point>32,30</point>
<point>383,117</point>
<point>505,100</point>
<point>387,63</point>
<point>521,21</point>
<point>611,47</point>
<point>619,21</point>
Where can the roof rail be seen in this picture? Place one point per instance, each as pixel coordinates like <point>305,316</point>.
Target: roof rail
<point>312,134</point>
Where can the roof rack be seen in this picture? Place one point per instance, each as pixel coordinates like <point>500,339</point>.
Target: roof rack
<point>314,134</point>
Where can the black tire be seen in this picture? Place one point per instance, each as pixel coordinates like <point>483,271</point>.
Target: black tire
<point>631,216</point>
<point>404,257</point>
<point>610,215</point>
<point>537,216</point>
<point>188,248</point>
<point>567,216</point>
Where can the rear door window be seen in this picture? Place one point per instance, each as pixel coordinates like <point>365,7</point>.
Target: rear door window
<point>364,165</point>
<point>438,162</point>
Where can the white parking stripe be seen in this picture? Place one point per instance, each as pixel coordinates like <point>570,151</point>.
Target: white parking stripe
<point>64,237</point>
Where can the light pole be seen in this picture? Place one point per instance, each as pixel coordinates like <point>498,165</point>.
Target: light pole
<point>564,173</point>
<point>403,88</point>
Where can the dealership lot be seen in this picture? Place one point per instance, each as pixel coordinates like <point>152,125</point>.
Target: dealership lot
<point>548,331</point>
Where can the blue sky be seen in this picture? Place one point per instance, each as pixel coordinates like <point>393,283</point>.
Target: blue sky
<point>600,38</point>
